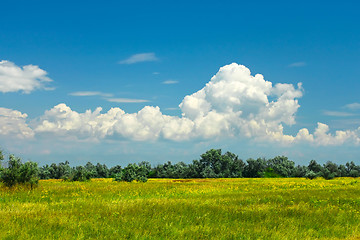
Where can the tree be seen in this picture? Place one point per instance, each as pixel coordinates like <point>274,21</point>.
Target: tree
<point>254,168</point>
<point>1,159</point>
<point>80,174</point>
<point>19,173</point>
<point>300,171</point>
<point>330,170</point>
<point>115,170</point>
<point>102,171</point>
<point>91,169</point>
<point>60,171</point>
<point>282,166</point>
<point>314,166</point>
<point>133,172</point>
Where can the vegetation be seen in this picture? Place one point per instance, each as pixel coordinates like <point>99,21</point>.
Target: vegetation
<point>212,164</point>
<point>18,172</point>
<point>232,208</point>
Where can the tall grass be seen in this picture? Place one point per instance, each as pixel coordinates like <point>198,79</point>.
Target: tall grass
<point>183,209</point>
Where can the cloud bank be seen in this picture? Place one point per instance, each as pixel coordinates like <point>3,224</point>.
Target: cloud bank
<point>26,79</point>
<point>233,104</point>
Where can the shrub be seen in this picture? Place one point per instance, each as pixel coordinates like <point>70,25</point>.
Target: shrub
<point>311,175</point>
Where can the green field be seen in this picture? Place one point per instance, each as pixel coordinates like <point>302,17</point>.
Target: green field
<point>286,208</point>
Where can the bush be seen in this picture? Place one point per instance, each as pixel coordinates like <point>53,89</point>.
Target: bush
<point>311,175</point>
<point>269,173</point>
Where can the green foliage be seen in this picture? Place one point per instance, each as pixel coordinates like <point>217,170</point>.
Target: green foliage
<point>80,174</point>
<point>115,171</point>
<point>212,164</point>
<point>255,168</point>
<point>327,174</point>
<point>133,172</point>
<point>314,166</point>
<point>19,173</point>
<point>282,166</point>
<point>311,175</point>
<point>270,173</point>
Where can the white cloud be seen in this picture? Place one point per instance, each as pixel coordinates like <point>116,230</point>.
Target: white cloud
<point>241,103</point>
<point>322,137</point>
<point>353,106</point>
<point>170,82</point>
<point>141,57</point>
<point>13,124</point>
<point>233,104</point>
<point>297,64</point>
<point>90,93</point>
<point>126,100</point>
<point>26,79</point>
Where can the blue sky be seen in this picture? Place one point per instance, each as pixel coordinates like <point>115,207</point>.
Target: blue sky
<point>143,59</point>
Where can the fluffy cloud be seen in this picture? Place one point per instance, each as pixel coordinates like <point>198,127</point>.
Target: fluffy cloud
<point>26,79</point>
<point>13,124</point>
<point>147,124</point>
<point>236,103</point>
<point>233,104</point>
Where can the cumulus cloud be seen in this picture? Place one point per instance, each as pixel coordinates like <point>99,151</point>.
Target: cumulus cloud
<point>13,124</point>
<point>26,79</point>
<point>141,57</point>
<point>233,103</point>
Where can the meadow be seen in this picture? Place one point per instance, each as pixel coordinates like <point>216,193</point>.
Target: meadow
<point>280,208</point>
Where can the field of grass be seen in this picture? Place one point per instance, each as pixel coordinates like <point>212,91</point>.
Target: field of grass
<point>183,209</point>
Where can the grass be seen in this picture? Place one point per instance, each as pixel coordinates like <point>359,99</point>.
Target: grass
<point>183,209</point>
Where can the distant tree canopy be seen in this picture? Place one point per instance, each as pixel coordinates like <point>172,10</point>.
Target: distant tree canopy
<point>212,164</point>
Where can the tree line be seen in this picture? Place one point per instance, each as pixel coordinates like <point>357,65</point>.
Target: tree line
<point>212,164</point>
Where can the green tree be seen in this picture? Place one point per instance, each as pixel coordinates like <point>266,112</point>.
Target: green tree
<point>255,168</point>
<point>133,172</point>
<point>115,170</point>
<point>80,173</point>
<point>19,173</point>
<point>282,166</point>
<point>314,166</point>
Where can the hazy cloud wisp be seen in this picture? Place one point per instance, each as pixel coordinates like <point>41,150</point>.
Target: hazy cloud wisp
<point>90,93</point>
<point>140,57</point>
